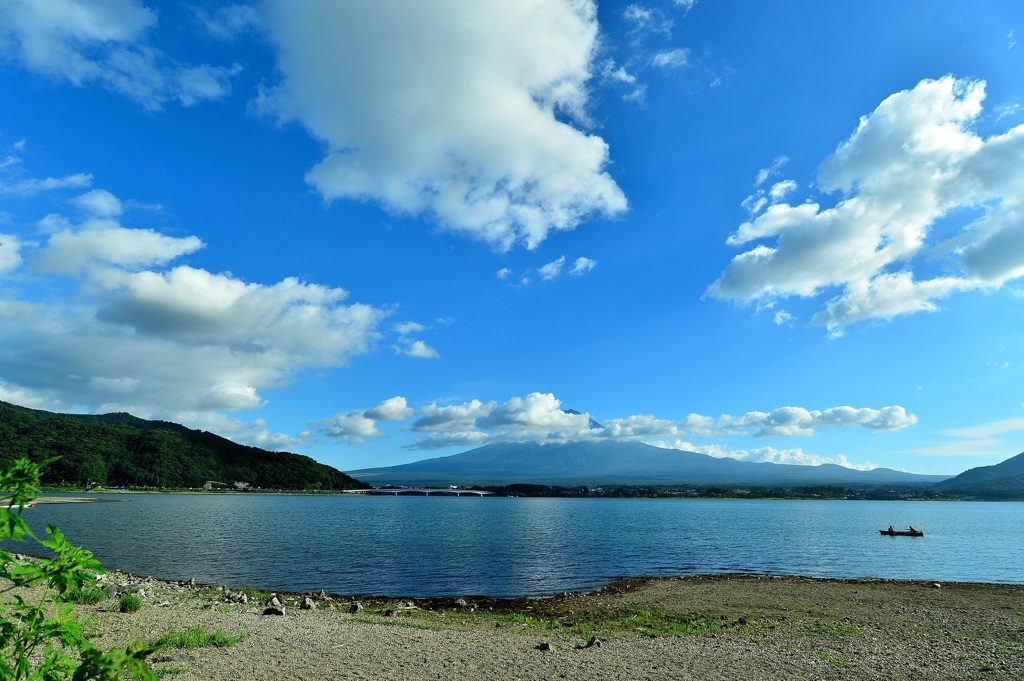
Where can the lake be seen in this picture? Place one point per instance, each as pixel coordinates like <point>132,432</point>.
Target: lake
<point>507,547</point>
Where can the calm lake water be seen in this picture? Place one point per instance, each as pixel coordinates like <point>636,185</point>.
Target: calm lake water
<point>458,546</point>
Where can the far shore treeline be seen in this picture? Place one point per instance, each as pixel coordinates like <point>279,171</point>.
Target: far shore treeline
<point>119,450</point>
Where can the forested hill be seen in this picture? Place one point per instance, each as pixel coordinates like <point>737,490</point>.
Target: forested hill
<point>118,450</point>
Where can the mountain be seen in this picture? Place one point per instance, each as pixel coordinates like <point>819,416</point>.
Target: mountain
<point>121,449</point>
<point>1002,481</point>
<point>620,463</point>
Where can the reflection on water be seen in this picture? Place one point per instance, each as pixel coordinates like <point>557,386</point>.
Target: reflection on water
<point>455,546</point>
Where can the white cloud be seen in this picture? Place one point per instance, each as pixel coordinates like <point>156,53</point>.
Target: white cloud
<point>10,253</point>
<point>71,250</point>
<point>454,109</point>
<point>104,42</point>
<point>782,318</point>
<point>671,59</point>
<point>540,417</point>
<point>230,22</point>
<point>392,409</point>
<point>16,181</point>
<point>99,203</point>
<point>641,428</point>
<point>797,421</point>
<point>406,328</point>
<point>415,348</point>
<point>765,173</point>
<point>504,273</point>
<point>181,343</point>
<point>910,163</point>
<point>453,417</point>
<point>552,270</point>
<point>767,455</point>
<point>982,441</point>
<point>779,190</point>
<point>582,266</point>
<point>354,427</point>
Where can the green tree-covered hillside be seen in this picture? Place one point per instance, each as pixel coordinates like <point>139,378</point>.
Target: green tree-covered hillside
<point>121,450</point>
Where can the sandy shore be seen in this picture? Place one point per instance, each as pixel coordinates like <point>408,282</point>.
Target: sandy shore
<point>741,628</point>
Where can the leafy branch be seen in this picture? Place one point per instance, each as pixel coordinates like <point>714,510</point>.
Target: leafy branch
<point>44,640</point>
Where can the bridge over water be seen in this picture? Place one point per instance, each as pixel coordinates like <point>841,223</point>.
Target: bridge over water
<point>423,492</point>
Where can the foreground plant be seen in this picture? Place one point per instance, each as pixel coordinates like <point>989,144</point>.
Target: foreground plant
<point>197,637</point>
<point>43,639</point>
<point>130,603</point>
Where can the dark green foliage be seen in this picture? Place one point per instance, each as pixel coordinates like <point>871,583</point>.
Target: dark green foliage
<point>1002,481</point>
<point>40,637</point>
<point>117,450</point>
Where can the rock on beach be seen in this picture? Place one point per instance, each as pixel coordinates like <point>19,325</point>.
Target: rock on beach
<point>754,628</point>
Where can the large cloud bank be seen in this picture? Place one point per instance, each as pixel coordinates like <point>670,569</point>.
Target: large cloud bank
<point>540,417</point>
<point>915,161</point>
<point>99,316</point>
<point>467,110</point>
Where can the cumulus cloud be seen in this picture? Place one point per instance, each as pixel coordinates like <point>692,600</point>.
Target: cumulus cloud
<point>105,42</point>
<point>541,417</point>
<point>355,426</point>
<point>797,421</point>
<point>415,348</point>
<point>412,347</point>
<point>458,110</point>
<point>582,266</point>
<point>795,456</point>
<point>913,161</point>
<point>144,334</point>
<point>10,253</point>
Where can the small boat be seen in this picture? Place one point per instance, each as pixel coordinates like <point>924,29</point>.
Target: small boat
<point>909,532</point>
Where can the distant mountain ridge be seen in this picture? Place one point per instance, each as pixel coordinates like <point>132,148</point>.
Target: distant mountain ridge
<point>1003,480</point>
<point>620,463</point>
<point>120,449</point>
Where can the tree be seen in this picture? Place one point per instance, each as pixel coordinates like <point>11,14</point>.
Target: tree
<point>43,640</point>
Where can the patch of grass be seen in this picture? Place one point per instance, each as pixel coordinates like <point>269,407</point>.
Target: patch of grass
<point>831,628</point>
<point>986,667</point>
<point>130,603</point>
<point>196,637</point>
<point>629,622</point>
<point>1015,650</point>
<point>837,661</point>
<point>658,623</point>
<point>252,593</point>
<point>89,594</point>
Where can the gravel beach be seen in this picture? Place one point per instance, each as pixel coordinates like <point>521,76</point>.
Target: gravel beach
<point>711,627</point>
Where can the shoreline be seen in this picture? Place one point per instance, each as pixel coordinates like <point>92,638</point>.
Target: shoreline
<point>709,626</point>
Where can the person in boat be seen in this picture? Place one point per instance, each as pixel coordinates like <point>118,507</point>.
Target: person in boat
<point>891,530</point>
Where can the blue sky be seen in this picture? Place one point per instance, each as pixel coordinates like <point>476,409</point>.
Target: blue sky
<point>380,232</point>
